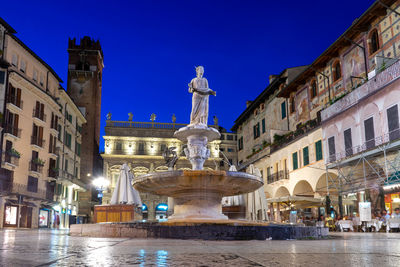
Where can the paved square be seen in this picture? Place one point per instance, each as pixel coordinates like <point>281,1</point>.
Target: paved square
<point>57,248</point>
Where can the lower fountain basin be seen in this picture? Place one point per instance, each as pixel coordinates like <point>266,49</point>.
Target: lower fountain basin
<point>197,193</point>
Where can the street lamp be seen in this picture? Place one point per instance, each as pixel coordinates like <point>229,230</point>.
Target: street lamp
<point>100,184</point>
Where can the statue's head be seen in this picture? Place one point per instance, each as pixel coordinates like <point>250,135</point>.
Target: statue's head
<point>200,71</point>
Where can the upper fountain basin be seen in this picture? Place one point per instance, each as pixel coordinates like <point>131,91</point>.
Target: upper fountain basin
<point>176,183</point>
<point>199,130</point>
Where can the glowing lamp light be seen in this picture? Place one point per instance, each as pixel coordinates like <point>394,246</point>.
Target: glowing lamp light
<point>162,207</point>
<point>57,208</point>
<point>101,183</point>
<point>144,207</point>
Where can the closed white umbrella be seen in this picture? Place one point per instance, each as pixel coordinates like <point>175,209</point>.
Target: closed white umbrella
<point>124,193</point>
<point>237,200</point>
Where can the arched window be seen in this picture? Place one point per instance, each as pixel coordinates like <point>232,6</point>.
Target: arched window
<point>373,42</point>
<point>337,71</point>
<point>313,89</point>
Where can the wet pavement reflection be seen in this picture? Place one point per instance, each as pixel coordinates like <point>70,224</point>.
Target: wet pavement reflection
<point>57,248</point>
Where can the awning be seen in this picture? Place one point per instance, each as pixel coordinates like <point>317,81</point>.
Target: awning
<point>307,202</point>
<point>15,202</point>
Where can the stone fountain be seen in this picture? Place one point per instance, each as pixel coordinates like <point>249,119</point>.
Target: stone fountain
<point>198,193</point>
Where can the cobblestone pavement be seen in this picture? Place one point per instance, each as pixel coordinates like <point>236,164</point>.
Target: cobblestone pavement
<point>57,248</point>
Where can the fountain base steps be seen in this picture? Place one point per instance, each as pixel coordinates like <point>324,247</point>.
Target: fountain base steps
<point>223,230</point>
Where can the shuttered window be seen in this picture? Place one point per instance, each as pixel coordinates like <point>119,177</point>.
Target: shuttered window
<point>318,150</point>
<point>348,143</point>
<point>331,147</point>
<point>369,133</point>
<point>393,123</point>
<point>306,158</point>
<point>256,130</point>
<point>283,110</point>
<point>295,161</point>
<point>263,125</point>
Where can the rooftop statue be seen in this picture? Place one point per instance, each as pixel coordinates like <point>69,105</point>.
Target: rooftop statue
<point>199,87</point>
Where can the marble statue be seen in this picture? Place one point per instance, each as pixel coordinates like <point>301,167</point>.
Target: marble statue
<point>130,114</point>
<point>109,116</point>
<point>199,87</point>
<point>173,118</point>
<point>170,157</point>
<point>153,117</point>
<point>215,120</point>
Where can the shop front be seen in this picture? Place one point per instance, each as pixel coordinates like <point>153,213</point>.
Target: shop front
<point>44,216</point>
<point>18,214</point>
<point>392,200</point>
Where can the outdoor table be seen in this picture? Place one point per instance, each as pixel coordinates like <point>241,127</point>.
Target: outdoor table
<point>375,223</point>
<point>392,223</point>
<point>345,224</point>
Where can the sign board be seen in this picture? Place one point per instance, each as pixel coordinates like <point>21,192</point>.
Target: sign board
<point>365,211</point>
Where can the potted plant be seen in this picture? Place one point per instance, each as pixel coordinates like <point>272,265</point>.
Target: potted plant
<point>14,153</point>
<point>39,161</point>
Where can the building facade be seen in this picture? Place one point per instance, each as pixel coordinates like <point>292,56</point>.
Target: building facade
<point>141,146</point>
<point>84,85</point>
<point>294,159</point>
<point>30,174</point>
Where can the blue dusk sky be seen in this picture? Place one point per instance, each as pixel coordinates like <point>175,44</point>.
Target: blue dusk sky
<point>151,47</point>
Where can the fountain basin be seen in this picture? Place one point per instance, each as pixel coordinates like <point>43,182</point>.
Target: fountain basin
<point>197,193</point>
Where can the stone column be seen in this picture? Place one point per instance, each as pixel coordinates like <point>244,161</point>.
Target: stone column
<point>2,203</point>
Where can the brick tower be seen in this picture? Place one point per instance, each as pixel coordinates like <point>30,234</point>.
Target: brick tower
<point>85,68</point>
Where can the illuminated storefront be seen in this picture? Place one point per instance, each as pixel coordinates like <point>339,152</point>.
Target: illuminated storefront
<point>161,211</point>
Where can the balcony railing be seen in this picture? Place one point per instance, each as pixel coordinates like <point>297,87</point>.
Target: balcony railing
<point>368,145</point>
<point>133,124</point>
<point>282,140</point>
<point>15,101</point>
<point>53,173</point>
<point>380,81</point>
<point>39,115</point>
<point>65,175</point>
<point>35,166</point>
<point>24,189</point>
<point>10,129</point>
<point>35,140</point>
<point>10,158</point>
<point>277,176</point>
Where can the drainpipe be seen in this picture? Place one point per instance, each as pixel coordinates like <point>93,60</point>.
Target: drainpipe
<point>287,114</point>
<point>47,81</point>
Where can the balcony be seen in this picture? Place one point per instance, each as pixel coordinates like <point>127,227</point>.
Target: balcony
<point>277,176</point>
<point>281,140</point>
<point>15,101</point>
<point>65,175</point>
<point>39,115</point>
<point>23,189</point>
<point>36,165</point>
<point>11,157</point>
<point>12,130</point>
<point>344,102</point>
<point>35,140</point>
<point>366,146</point>
<point>53,172</point>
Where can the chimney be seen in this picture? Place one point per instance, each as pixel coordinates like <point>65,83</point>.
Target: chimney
<point>272,77</point>
<point>248,103</point>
